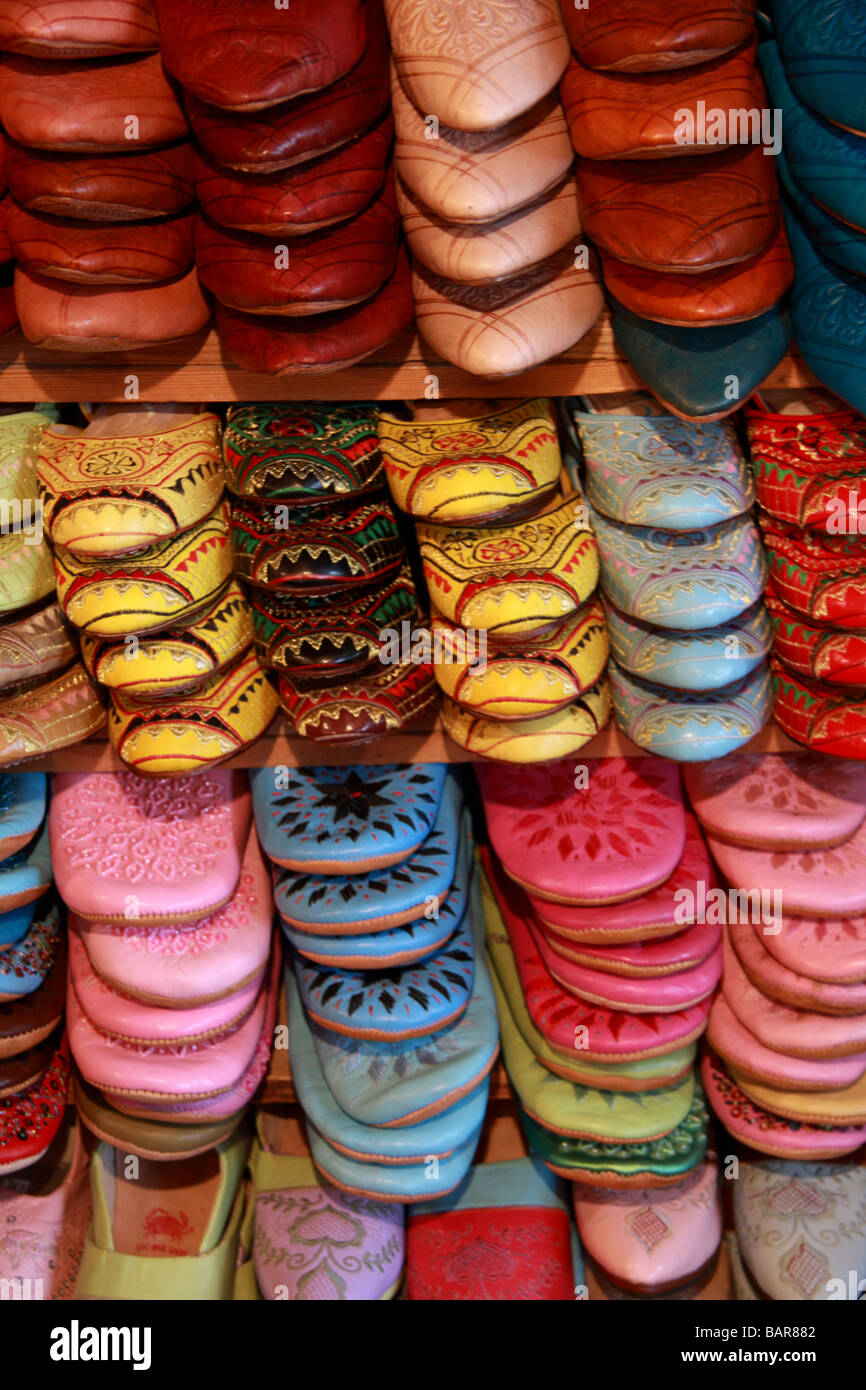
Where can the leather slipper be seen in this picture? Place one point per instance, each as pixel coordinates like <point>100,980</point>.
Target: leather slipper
<point>769,1133</point>
<point>23,798</point>
<point>25,965</point>
<point>691,726</point>
<point>30,1119</point>
<point>129,253</point>
<point>526,741</point>
<point>320,549</point>
<point>62,31</point>
<point>59,315</point>
<point>701,659</point>
<point>37,645</point>
<point>103,188</point>
<point>146,1138</point>
<point>635,37</point>
<point>31,1018</point>
<point>327,452</point>
<point>387,699</point>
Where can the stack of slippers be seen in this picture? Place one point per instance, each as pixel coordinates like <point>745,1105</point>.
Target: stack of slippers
<point>143,560</point>
<point>603,969</point>
<point>787,1071</point>
<point>318,545</point>
<point>809,459</point>
<point>683,208</point>
<point>504,1234</point>
<point>173,983</point>
<point>34,1054</point>
<point>814,65</point>
<point>297,234</point>
<point>99,215</point>
<point>391,1012</point>
<point>8,312</point>
<point>518,637</point>
<point>485,184</point>
<point>48,700</point>
<point>682,575</point>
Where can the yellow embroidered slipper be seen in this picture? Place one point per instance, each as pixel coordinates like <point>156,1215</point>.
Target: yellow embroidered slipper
<point>530,740</point>
<point>26,571</point>
<point>527,680</point>
<point>170,1234</point>
<point>513,581</point>
<point>167,585</point>
<point>131,479</point>
<point>60,711</point>
<point>20,433</point>
<point>183,734</point>
<point>174,660</point>
<point>479,468</point>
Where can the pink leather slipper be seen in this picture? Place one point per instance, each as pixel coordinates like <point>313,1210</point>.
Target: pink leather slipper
<point>741,1049</point>
<point>658,956</point>
<point>615,838</point>
<point>230,1102</point>
<point>182,964</point>
<point>196,1071</point>
<point>662,912</point>
<point>637,994</point>
<point>145,1025</point>
<point>130,848</point>
<point>811,882</point>
<point>44,1215</point>
<point>569,1025</point>
<point>771,1134</point>
<point>782,1027</point>
<point>827,949</point>
<point>779,983</point>
<point>779,801</point>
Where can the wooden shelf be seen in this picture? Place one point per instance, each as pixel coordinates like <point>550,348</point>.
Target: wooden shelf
<point>276,749</point>
<point>196,369</point>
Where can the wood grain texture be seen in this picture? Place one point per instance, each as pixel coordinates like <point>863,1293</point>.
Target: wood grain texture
<point>198,369</point>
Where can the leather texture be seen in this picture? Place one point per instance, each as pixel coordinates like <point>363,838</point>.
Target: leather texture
<point>177,870</point>
<point>22,807</point>
<point>701,660</point>
<point>702,373</point>
<point>824,949</point>
<point>127,254</point>
<point>634,37</point>
<point>829,654</point>
<point>638,799</point>
<point>684,580</point>
<point>234,55</point>
<point>767,1132</point>
<point>811,881</point>
<point>481,177</point>
<point>837,1009</point>
<point>85,106</point>
<point>383,700</point>
<point>806,464</point>
<point>96,318</point>
<point>333,820</point>
<point>303,198</point>
<point>732,294</point>
<point>506,328</point>
<point>24,571</point>
<point>480,466</point>
<point>845,246</point>
<point>170,582</point>
<point>188,732</point>
<point>825,717</point>
<point>302,453</point>
<point>32,1118</point>
<point>825,161</point>
<point>514,581</point>
<point>625,116</point>
<point>826,297</point>
<point>26,875</point>
<point>476,256</point>
<point>34,646</point>
<point>25,965</point>
<point>477,66</point>
<point>284,346</point>
<point>690,727</point>
<point>320,548</point>
<point>647,214</point>
<point>534,740</point>
<point>60,711</point>
<point>105,493</point>
<point>174,660</point>
<point>59,29</point>
<point>654,470</point>
<point>780,801</point>
<point>823,47</point>
<point>821,576</point>
<point>326,271</point>
<point>103,188</point>
<point>306,127</point>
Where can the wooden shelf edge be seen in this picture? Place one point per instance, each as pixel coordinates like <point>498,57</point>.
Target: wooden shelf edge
<point>277,749</point>
<point>196,369</point>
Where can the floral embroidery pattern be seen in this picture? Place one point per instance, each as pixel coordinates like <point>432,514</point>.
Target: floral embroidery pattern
<point>327,1245</point>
